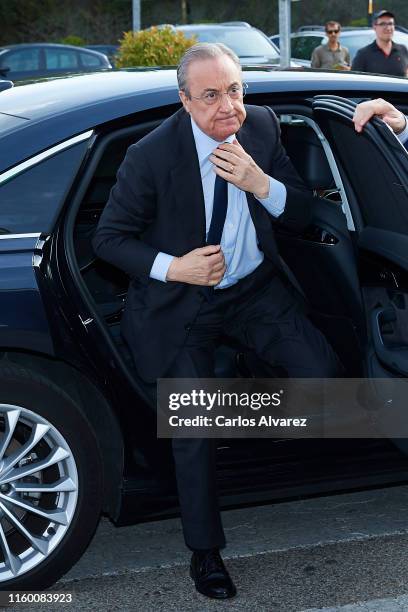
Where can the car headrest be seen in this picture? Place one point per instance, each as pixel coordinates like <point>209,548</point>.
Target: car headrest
<point>307,155</point>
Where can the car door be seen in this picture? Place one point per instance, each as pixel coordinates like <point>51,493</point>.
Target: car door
<point>374,165</point>
<point>321,255</point>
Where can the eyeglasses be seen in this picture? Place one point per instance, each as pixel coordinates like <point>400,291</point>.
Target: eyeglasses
<point>332,31</point>
<point>212,96</point>
<point>385,24</point>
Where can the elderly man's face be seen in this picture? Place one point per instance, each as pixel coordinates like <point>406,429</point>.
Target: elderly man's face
<point>205,79</point>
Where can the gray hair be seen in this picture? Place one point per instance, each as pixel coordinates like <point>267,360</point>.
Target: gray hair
<point>202,51</point>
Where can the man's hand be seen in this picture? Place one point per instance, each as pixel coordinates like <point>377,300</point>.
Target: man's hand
<point>237,167</point>
<point>204,266</point>
<point>386,111</point>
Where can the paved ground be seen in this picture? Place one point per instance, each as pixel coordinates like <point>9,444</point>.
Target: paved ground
<point>344,552</point>
<point>292,580</point>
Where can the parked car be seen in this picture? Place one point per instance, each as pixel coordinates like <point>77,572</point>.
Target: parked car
<point>76,436</point>
<point>303,42</point>
<point>32,61</point>
<point>251,45</point>
<point>109,50</point>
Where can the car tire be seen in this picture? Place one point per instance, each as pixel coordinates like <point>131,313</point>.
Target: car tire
<point>54,490</point>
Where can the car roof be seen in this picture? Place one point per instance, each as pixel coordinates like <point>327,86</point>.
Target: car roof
<point>36,116</point>
<point>101,46</point>
<point>213,26</point>
<point>347,32</point>
<point>50,45</point>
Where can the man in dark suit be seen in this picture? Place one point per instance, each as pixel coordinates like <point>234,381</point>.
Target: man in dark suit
<point>190,221</point>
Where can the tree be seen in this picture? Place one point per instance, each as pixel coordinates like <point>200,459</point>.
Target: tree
<point>153,47</point>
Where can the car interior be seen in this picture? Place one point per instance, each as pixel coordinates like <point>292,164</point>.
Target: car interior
<point>321,262</point>
<point>340,273</point>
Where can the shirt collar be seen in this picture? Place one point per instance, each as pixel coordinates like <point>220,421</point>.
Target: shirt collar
<point>378,48</point>
<point>205,145</point>
<point>339,47</point>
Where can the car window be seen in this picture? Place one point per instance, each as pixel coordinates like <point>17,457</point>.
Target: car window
<point>60,59</point>
<point>302,46</point>
<point>90,60</point>
<point>22,60</point>
<point>356,42</point>
<point>30,201</point>
<point>400,38</point>
<point>245,42</point>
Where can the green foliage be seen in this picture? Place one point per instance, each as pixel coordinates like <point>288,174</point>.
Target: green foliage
<point>73,40</point>
<point>153,47</point>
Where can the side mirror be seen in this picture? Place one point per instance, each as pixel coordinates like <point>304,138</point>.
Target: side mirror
<point>5,85</point>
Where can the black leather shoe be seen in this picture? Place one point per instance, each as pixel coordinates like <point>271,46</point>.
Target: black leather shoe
<point>210,575</point>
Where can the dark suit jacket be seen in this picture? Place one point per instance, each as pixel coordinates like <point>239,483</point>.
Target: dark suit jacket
<point>157,205</point>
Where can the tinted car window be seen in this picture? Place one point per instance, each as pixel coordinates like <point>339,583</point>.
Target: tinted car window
<point>60,59</point>
<point>22,60</point>
<point>302,46</point>
<point>90,60</point>
<point>31,201</point>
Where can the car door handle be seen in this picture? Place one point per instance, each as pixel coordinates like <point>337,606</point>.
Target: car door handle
<point>395,358</point>
<point>315,233</point>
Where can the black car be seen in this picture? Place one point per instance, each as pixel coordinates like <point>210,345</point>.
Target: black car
<point>77,438</point>
<point>35,60</point>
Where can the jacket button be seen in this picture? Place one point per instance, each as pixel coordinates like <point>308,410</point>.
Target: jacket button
<point>187,327</point>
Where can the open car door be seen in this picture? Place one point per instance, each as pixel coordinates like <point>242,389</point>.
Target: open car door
<point>374,169</point>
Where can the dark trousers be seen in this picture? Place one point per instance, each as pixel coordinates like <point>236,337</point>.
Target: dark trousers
<point>261,313</point>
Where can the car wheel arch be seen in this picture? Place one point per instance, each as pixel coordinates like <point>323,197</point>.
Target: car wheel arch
<point>95,408</point>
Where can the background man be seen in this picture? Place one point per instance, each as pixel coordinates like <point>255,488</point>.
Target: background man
<point>190,221</point>
<point>383,56</point>
<point>331,56</point>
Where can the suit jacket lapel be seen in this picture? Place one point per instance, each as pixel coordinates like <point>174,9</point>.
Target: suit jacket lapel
<point>253,145</point>
<point>186,176</point>
<point>186,181</point>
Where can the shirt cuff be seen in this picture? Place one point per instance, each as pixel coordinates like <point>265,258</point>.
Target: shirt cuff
<point>403,136</point>
<point>276,200</point>
<point>160,266</point>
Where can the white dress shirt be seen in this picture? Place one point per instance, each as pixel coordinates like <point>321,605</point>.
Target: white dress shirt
<point>239,242</point>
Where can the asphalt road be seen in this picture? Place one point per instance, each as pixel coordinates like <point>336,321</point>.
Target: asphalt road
<point>343,553</point>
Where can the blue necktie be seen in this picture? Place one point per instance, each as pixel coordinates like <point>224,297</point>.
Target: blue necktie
<point>219,213</point>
